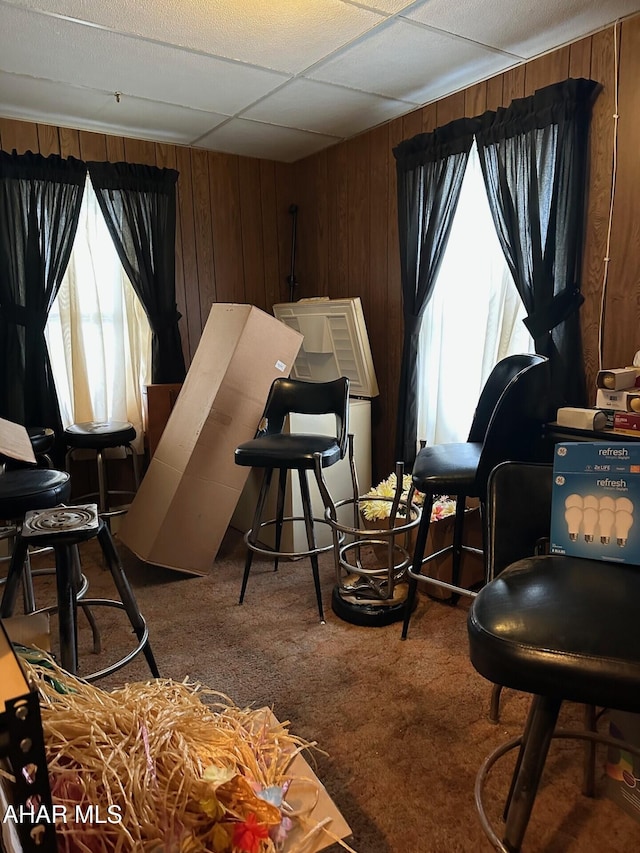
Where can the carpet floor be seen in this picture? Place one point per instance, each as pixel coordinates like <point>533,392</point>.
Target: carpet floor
<point>402,726</point>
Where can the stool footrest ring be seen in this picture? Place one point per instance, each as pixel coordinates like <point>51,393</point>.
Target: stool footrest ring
<point>270,552</point>
<point>503,749</point>
<point>113,667</point>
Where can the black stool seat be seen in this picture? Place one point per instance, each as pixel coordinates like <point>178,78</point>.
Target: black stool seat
<point>445,468</point>
<point>561,626</point>
<point>97,435</point>
<point>33,488</point>
<point>42,439</point>
<point>294,451</point>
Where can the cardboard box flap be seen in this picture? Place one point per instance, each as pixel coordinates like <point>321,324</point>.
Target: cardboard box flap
<point>15,442</point>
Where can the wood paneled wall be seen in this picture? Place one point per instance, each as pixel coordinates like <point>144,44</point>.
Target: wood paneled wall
<point>234,227</point>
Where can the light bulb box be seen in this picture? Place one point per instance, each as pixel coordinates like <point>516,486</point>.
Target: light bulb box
<point>595,506</point>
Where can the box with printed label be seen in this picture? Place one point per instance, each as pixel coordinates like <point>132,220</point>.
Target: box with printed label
<point>622,401</point>
<point>595,509</point>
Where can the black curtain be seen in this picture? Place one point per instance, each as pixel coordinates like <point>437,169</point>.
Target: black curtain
<point>430,168</point>
<point>40,200</point>
<point>139,206</point>
<point>534,161</point>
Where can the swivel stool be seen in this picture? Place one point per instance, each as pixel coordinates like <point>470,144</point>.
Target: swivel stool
<point>63,529</point>
<point>99,436</point>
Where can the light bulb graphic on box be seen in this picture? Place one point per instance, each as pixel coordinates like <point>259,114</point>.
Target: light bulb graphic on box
<point>606,524</point>
<point>590,517</point>
<point>573,515</point>
<point>624,523</point>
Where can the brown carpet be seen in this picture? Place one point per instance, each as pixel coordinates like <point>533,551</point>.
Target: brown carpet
<point>403,724</point>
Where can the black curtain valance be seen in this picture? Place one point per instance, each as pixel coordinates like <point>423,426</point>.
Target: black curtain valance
<point>446,141</point>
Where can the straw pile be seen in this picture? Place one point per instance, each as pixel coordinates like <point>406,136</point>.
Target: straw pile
<point>164,767</point>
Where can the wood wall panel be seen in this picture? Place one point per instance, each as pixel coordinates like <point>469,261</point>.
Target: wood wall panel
<point>48,140</point>
<point>545,70</point>
<point>226,232</point>
<point>599,197</point>
<point>69,142</point>
<point>93,146</point>
<point>234,225</point>
<point>475,100</point>
<point>621,330</point>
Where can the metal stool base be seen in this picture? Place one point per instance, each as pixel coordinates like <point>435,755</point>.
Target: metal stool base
<point>369,614</point>
<point>515,743</point>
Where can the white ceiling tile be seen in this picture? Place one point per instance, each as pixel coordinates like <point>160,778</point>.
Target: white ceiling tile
<point>323,108</point>
<point>31,98</point>
<point>284,35</point>
<point>390,7</point>
<point>113,63</point>
<point>409,62</point>
<point>535,28</point>
<point>165,122</point>
<point>254,139</point>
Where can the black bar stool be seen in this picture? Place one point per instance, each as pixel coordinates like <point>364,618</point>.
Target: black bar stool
<point>63,529</point>
<point>99,436</point>
<point>273,448</point>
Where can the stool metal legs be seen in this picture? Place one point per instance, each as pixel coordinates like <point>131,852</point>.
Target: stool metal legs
<point>68,600</point>
<point>126,596</point>
<point>251,537</point>
<point>311,538</point>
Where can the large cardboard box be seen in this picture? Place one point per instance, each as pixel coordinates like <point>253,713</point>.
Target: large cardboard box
<point>596,501</point>
<point>185,502</point>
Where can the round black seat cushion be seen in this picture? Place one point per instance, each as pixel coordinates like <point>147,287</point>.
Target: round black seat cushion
<point>41,438</point>
<point>96,435</point>
<point>562,627</point>
<point>447,468</point>
<point>285,450</point>
<point>32,488</point>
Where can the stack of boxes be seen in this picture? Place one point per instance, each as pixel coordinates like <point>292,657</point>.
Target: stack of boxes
<point>618,394</point>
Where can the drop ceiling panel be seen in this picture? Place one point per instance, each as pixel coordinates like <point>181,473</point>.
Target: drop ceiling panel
<point>311,105</point>
<point>391,7</point>
<point>69,52</point>
<point>30,98</point>
<point>536,28</point>
<point>138,117</point>
<point>254,139</point>
<point>411,63</point>
<point>285,35</point>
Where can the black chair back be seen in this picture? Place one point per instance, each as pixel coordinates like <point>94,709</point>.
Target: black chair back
<point>307,398</point>
<point>518,512</point>
<point>500,377</point>
<point>515,427</point>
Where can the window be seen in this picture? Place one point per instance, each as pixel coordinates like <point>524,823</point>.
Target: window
<point>97,333</point>
<point>473,319</point>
